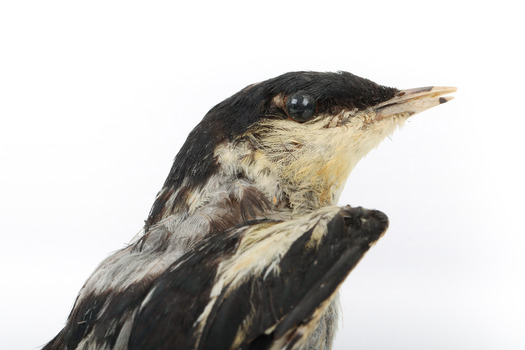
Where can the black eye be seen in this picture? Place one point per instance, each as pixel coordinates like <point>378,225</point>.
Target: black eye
<point>301,107</point>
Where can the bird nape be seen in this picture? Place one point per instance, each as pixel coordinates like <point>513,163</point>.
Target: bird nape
<point>244,246</point>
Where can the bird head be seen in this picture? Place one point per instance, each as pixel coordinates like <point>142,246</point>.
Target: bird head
<point>295,138</point>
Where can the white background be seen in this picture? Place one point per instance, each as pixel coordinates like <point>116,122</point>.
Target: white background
<point>97,97</point>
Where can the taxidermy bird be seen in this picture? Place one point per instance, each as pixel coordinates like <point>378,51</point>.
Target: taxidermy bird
<point>244,247</point>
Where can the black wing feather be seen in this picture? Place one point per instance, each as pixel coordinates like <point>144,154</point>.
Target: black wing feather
<point>308,276</point>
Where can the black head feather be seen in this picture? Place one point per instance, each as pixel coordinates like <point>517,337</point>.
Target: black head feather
<point>231,118</point>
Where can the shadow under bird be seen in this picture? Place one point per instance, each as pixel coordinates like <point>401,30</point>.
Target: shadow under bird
<point>244,247</point>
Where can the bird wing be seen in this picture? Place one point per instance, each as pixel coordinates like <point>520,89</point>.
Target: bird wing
<point>260,286</point>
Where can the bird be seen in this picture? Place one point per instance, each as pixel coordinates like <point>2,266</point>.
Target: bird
<point>245,246</point>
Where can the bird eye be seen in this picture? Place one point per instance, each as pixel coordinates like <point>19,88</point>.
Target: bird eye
<point>301,107</point>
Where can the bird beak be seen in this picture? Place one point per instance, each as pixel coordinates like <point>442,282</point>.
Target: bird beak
<point>413,101</point>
